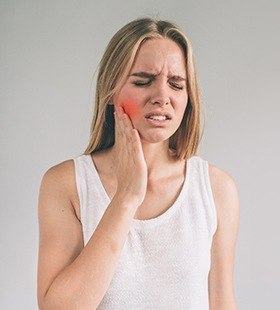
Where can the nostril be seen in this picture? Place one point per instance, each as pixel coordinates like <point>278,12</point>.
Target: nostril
<point>160,102</point>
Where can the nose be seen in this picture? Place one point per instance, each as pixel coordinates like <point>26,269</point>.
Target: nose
<point>160,95</point>
<point>160,101</point>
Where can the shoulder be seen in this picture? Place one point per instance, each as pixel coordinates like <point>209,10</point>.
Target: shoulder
<point>60,179</point>
<point>225,193</point>
<point>223,184</point>
<point>60,173</point>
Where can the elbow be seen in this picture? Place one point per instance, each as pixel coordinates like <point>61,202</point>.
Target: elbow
<point>61,303</point>
<point>223,303</point>
<point>45,303</point>
<point>50,302</point>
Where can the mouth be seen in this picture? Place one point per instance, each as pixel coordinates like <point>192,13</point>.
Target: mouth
<point>157,116</point>
<point>157,121</point>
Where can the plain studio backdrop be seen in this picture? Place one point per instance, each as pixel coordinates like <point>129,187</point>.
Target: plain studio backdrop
<point>49,54</point>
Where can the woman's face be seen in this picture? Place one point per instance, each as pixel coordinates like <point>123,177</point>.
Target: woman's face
<point>156,84</point>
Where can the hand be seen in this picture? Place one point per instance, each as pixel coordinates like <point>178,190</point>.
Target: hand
<point>130,167</point>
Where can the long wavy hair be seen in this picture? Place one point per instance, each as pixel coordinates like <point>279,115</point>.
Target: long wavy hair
<point>114,68</point>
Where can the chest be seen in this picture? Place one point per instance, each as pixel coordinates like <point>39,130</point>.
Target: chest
<point>160,196</point>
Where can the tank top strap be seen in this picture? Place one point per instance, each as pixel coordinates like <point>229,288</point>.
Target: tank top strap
<point>93,203</point>
<point>201,190</point>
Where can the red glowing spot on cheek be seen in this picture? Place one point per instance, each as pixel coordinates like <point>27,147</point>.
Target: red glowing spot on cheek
<point>130,108</point>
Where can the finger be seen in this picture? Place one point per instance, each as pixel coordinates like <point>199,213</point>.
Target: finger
<point>137,146</point>
<point>118,130</point>
<point>128,125</point>
<point>123,137</point>
<point>121,122</point>
<point>125,124</point>
<point>127,121</point>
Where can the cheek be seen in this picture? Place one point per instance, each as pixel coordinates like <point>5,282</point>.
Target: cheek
<point>130,108</point>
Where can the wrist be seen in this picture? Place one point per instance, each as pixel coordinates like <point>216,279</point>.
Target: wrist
<point>125,201</point>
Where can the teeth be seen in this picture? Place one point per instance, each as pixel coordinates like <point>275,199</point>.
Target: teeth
<point>158,117</point>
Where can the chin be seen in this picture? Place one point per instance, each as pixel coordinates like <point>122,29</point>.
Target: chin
<point>154,137</point>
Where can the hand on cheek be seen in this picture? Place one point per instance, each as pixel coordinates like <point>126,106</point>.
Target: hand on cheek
<point>130,109</point>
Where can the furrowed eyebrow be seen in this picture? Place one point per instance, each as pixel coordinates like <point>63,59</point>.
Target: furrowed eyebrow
<point>177,78</point>
<point>144,74</point>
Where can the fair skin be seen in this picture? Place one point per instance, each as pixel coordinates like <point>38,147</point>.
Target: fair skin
<point>165,91</point>
<point>68,272</point>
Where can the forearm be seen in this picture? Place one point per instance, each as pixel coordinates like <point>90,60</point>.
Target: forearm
<point>82,284</point>
<point>223,300</point>
<point>228,305</point>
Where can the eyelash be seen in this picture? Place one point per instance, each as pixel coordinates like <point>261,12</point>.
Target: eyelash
<point>147,83</point>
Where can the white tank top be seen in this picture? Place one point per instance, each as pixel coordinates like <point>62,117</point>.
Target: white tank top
<point>165,261</point>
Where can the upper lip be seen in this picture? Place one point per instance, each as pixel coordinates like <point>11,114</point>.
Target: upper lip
<point>157,112</point>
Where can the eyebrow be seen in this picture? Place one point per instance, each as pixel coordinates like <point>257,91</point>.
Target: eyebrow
<point>144,74</point>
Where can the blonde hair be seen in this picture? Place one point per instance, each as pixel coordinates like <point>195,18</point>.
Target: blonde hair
<point>114,67</point>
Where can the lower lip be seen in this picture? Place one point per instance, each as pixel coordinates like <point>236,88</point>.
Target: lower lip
<point>155,122</point>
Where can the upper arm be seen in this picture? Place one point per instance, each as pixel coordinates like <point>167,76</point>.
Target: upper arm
<point>226,197</point>
<point>60,233</point>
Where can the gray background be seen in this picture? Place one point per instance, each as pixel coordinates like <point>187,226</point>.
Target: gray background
<point>49,53</point>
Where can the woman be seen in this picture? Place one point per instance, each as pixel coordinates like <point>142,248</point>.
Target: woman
<point>139,220</point>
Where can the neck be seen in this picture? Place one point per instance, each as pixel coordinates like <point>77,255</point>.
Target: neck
<point>158,159</point>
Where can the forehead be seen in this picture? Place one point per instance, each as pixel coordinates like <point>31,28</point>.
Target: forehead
<point>158,55</point>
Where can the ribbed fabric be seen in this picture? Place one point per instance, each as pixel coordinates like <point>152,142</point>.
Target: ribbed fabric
<point>165,261</point>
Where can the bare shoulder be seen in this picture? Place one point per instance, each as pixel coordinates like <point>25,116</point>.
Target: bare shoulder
<point>223,185</point>
<point>62,177</point>
<point>225,194</point>
<point>226,198</point>
<point>61,171</point>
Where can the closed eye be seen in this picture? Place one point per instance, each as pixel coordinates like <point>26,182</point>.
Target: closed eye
<point>142,83</point>
<point>177,86</point>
